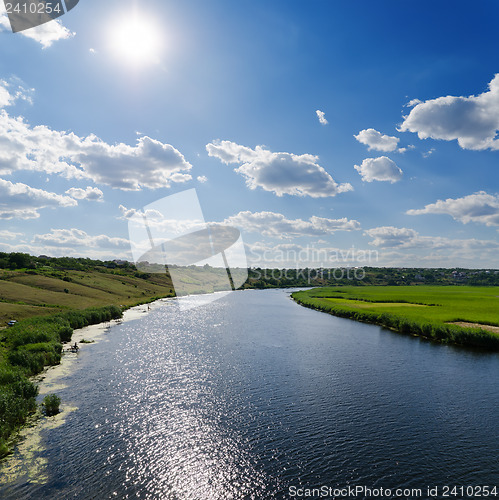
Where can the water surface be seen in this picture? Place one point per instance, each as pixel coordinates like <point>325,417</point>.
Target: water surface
<point>252,394</point>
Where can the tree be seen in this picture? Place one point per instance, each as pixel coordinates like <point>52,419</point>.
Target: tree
<point>19,260</point>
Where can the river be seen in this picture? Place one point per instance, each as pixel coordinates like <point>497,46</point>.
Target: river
<point>254,396</point>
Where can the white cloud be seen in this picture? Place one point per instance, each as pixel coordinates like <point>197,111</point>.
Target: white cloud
<point>45,34</point>
<point>9,235</point>
<point>78,238</point>
<point>379,169</point>
<point>91,194</point>
<point>412,103</point>
<point>428,153</point>
<point>150,164</point>
<point>277,225</point>
<point>5,97</point>
<point>270,224</point>
<point>48,33</point>
<point>481,207</point>
<point>202,179</point>
<point>389,236</point>
<point>151,215</point>
<point>13,90</point>
<point>60,251</point>
<point>230,152</point>
<point>378,141</point>
<point>322,117</point>
<point>404,238</point>
<point>23,202</point>
<point>280,173</point>
<point>473,121</point>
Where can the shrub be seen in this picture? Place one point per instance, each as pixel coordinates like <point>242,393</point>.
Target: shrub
<point>7,375</point>
<point>65,333</point>
<point>17,402</point>
<point>51,405</point>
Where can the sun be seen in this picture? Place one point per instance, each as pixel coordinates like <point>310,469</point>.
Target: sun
<point>136,40</point>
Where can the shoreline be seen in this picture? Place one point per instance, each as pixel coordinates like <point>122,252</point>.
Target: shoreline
<point>25,459</point>
<point>93,334</point>
<point>468,334</point>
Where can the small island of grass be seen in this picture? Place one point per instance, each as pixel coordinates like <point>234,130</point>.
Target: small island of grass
<point>447,314</point>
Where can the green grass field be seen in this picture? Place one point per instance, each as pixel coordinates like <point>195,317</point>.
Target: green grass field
<point>24,295</point>
<point>420,310</point>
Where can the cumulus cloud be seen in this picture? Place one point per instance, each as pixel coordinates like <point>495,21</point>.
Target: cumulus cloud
<point>267,223</point>
<point>151,215</point>
<point>78,238</point>
<point>230,152</point>
<point>202,179</point>
<point>91,194</point>
<point>21,201</point>
<point>473,121</point>
<point>322,117</point>
<point>280,173</point>
<point>404,238</point>
<point>12,91</point>
<point>378,141</point>
<point>9,235</point>
<point>45,34</point>
<point>389,236</point>
<point>149,164</point>
<point>379,169</point>
<point>480,207</point>
<point>277,225</point>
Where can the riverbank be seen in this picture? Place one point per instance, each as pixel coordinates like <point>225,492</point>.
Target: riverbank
<point>27,460</point>
<point>25,350</point>
<point>36,343</point>
<point>451,315</point>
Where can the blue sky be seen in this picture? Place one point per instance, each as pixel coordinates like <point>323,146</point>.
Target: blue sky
<point>126,103</point>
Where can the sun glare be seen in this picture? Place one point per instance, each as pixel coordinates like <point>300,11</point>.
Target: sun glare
<point>137,41</point>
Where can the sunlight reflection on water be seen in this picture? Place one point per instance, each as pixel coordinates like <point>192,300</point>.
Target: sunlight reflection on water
<point>243,397</point>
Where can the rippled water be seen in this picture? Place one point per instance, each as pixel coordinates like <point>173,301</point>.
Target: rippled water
<point>252,394</point>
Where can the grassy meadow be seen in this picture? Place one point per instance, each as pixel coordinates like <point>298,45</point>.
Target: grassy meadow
<point>24,294</point>
<point>427,311</point>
